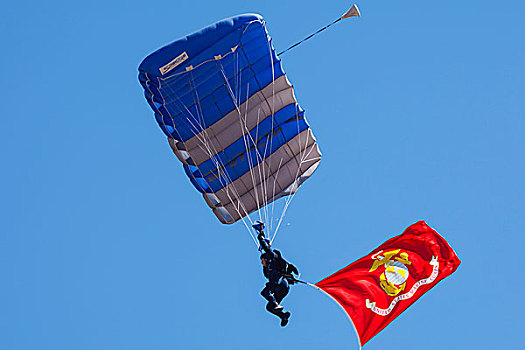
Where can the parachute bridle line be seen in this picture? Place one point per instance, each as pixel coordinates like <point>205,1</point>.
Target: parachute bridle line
<point>352,12</point>
<point>309,37</point>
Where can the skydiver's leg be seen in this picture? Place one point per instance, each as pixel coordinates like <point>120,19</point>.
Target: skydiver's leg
<point>273,306</point>
<point>275,309</point>
<point>282,290</point>
<point>268,294</point>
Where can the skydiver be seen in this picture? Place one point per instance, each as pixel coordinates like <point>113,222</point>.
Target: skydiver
<point>279,274</point>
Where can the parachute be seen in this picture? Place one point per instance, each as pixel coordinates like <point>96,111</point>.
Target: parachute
<point>223,100</point>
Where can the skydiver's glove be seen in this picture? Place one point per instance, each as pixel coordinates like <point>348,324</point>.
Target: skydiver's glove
<point>259,226</point>
<point>292,269</point>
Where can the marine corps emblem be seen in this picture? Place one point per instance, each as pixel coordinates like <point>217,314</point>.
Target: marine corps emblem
<point>393,279</point>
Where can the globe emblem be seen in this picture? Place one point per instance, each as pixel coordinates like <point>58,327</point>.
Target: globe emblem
<point>396,273</point>
<point>394,279</point>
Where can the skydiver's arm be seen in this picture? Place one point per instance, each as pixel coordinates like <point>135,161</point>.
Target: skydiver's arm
<point>292,269</point>
<point>263,243</point>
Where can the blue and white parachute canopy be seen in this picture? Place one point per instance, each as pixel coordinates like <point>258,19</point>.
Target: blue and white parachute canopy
<point>223,100</point>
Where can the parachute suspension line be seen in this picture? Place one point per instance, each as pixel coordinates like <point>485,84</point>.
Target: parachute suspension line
<point>237,96</point>
<point>216,160</point>
<point>274,183</point>
<point>208,150</point>
<point>271,138</point>
<point>238,73</point>
<point>243,128</point>
<point>268,103</point>
<point>299,163</point>
<point>207,145</point>
<point>262,159</point>
<point>303,159</point>
<point>247,137</point>
<point>262,172</point>
<point>289,199</point>
<point>261,169</point>
<point>353,12</point>
<point>227,181</point>
<point>265,165</point>
<point>238,80</point>
<point>191,114</point>
<point>173,122</point>
<point>246,133</point>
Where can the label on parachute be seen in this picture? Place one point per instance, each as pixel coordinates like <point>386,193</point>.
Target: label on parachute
<point>174,63</point>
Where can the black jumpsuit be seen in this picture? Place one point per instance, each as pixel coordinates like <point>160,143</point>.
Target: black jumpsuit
<point>277,286</point>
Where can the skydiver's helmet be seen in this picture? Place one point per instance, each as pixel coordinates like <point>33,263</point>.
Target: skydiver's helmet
<point>259,226</point>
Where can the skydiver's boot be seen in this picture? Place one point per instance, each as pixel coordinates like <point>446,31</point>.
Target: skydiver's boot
<point>284,318</point>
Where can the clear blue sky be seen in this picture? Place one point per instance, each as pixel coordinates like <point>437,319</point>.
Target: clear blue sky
<point>419,110</point>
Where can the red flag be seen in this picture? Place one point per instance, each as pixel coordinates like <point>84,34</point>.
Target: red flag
<point>377,288</point>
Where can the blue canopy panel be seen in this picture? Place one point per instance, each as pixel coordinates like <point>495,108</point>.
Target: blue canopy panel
<point>230,114</point>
